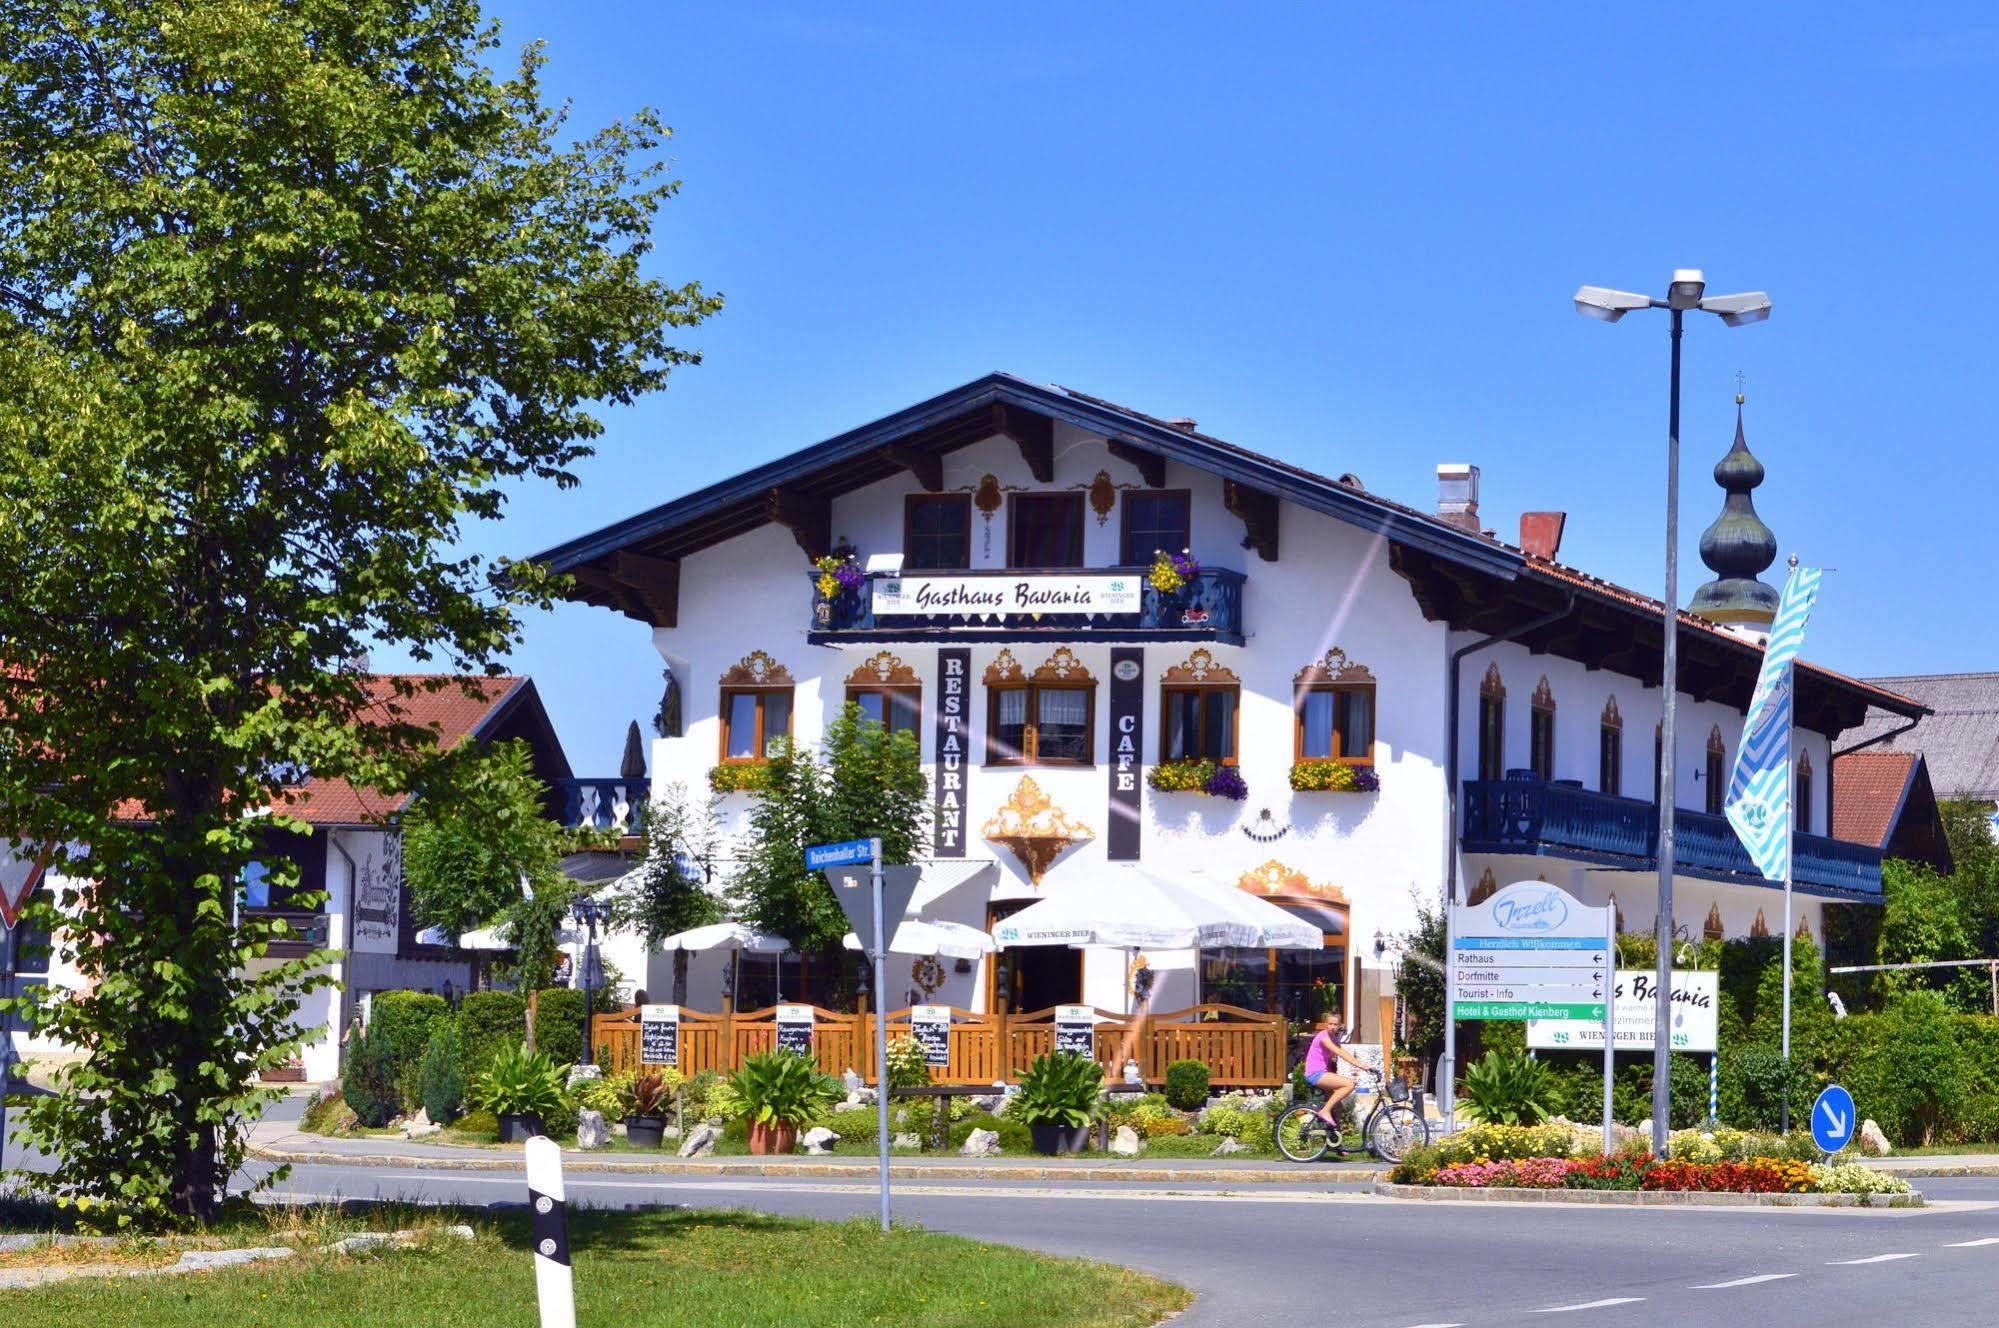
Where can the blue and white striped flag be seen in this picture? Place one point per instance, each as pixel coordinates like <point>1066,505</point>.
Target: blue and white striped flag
<point>1758,804</point>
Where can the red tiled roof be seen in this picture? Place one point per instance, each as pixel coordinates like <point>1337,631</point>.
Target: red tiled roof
<point>1867,792</point>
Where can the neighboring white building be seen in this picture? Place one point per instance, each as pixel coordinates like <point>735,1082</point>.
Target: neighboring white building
<point>1005,532</point>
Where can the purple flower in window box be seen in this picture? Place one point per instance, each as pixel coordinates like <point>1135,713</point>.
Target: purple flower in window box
<point>1365,780</point>
<point>1227,782</point>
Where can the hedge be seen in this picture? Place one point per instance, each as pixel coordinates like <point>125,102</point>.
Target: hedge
<point>558,1024</point>
<point>487,1022</point>
<point>400,1025</point>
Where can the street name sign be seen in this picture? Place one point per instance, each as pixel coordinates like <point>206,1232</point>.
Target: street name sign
<point>846,853</point>
<point>1531,951</point>
<point>1833,1119</point>
<point>1696,1006</point>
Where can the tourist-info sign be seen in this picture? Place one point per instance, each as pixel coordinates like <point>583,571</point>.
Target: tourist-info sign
<point>1531,951</point>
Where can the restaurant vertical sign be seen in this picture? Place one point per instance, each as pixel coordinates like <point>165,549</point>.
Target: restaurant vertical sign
<point>954,667</point>
<point>1127,744</point>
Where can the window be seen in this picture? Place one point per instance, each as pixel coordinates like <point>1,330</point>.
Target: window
<point>1610,750</point>
<point>1541,732</point>
<point>936,532</point>
<point>1045,530</point>
<point>887,691</point>
<point>1199,701</point>
<point>1716,773</point>
<point>1155,522</point>
<point>756,708</point>
<point>1043,718</point>
<point>1334,704</point>
<point>1802,817</point>
<point>1492,725</point>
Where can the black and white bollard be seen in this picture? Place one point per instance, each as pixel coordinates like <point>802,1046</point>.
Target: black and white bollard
<point>548,1227</point>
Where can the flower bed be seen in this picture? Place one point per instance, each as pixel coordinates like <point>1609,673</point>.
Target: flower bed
<point>1641,1171</point>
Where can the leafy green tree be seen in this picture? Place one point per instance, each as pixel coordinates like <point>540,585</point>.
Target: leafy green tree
<point>1924,919</point>
<point>465,854</point>
<point>670,897</point>
<point>289,293</point>
<point>1419,980</point>
<point>866,782</point>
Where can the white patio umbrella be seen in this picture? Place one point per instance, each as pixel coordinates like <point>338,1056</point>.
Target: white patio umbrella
<point>735,937</point>
<point>946,940</point>
<point>1132,909</point>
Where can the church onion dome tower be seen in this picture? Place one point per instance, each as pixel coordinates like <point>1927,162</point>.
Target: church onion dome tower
<point>1738,546</point>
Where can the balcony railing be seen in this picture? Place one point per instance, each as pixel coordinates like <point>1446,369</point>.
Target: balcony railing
<point>605,804</point>
<point>1524,814</point>
<point>312,931</point>
<point>1207,608</point>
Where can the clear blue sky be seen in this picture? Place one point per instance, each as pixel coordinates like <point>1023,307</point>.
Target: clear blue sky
<point>1348,238</point>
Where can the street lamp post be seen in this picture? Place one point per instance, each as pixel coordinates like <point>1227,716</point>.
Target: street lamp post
<point>590,912</point>
<point>1686,290</point>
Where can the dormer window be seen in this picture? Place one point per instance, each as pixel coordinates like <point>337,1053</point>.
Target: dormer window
<point>1044,530</point>
<point>937,532</point>
<point>1156,521</point>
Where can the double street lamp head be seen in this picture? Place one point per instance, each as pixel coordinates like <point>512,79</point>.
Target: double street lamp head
<point>1686,290</point>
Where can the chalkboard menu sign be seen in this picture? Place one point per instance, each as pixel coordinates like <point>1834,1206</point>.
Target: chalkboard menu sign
<point>1075,1030</point>
<point>659,1034</point>
<point>930,1026</point>
<point>794,1030</point>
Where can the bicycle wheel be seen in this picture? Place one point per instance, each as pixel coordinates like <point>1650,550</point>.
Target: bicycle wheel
<point>1301,1135</point>
<point>1396,1129</point>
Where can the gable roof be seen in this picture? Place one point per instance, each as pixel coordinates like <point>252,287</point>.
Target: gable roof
<point>1884,800</point>
<point>631,565</point>
<point>1961,743</point>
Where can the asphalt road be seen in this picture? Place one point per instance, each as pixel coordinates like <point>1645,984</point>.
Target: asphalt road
<point>1272,1255</point>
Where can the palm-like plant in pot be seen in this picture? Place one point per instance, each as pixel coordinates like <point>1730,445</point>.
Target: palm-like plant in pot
<point>777,1093</point>
<point>645,1118</point>
<point>523,1088</point>
<point>1057,1101</point>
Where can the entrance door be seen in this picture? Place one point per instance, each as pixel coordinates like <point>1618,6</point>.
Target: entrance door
<point>1027,978</point>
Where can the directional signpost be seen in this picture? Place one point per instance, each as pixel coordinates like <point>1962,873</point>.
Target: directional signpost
<point>18,879</point>
<point>1534,951</point>
<point>1833,1119</point>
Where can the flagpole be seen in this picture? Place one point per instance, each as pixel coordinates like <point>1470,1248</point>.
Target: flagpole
<point>1790,874</point>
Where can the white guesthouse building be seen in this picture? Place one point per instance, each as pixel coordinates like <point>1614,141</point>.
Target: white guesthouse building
<point>1407,705</point>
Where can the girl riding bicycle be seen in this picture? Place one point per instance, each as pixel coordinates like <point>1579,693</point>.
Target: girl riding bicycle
<point>1321,1059</point>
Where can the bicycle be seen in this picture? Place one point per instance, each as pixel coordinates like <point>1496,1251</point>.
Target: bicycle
<point>1391,1129</point>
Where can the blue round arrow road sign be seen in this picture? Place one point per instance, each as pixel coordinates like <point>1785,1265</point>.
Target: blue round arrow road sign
<point>1833,1120</point>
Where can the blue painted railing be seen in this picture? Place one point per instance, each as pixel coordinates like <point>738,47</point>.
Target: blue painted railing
<point>1523,814</point>
<point>604,804</point>
<point>1208,608</point>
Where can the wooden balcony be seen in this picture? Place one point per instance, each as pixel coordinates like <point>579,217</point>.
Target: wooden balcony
<point>1524,814</point>
<point>1208,608</point>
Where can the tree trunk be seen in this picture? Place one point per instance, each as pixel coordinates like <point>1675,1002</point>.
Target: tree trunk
<point>680,977</point>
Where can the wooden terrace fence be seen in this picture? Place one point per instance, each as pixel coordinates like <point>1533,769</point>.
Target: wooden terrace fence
<point>1242,1048</point>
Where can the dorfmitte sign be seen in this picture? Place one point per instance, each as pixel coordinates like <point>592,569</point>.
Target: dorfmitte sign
<point>990,597</point>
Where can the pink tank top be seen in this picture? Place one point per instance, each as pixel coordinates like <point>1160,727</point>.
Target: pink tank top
<point>1318,1060</point>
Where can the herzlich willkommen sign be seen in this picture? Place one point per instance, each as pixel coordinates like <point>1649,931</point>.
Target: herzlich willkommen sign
<point>1531,951</point>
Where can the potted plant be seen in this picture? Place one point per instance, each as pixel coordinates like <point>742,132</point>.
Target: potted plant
<point>645,1114</point>
<point>1058,1100</point>
<point>522,1088</point>
<point>777,1093</point>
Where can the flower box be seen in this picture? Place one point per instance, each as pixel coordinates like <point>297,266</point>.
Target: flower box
<point>1213,779</point>
<point>1319,774</point>
<point>742,777</point>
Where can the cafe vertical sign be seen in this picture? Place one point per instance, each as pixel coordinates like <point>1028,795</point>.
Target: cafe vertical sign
<point>1127,746</point>
<point>947,839</point>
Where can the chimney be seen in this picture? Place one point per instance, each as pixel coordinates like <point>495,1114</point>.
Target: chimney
<point>1183,423</point>
<point>1457,495</point>
<point>1541,533</point>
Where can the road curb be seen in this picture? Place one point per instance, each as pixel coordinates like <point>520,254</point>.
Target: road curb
<point>573,1161</point>
<point>1645,1198</point>
<point>1942,1169</point>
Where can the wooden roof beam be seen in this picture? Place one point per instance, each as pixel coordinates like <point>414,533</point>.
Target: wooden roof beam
<point>1257,510</point>
<point>809,518</point>
<point>1151,466</point>
<point>603,588</point>
<point>1033,434</point>
<point>927,467</point>
<point>657,581</point>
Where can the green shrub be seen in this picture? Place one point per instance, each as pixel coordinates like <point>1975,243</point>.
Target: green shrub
<point>480,1123</point>
<point>404,1021</point>
<point>1152,1120</point>
<point>1632,1090</point>
<point>489,1022</point>
<point>778,1088</point>
<point>907,1067</point>
<point>1014,1137</point>
<point>609,1095</point>
<point>697,1096</point>
<point>441,1079</point>
<point>1060,1090</point>
<point>523,1082</point>
<point>1923,1073</point>
<point>327,1114</point>
<point>1505,1088</point>
<point>560,1120</point>
<point>369,1084</point>
<point>1187,1085</point>
<point>855,1125</point>
<point>1248,1125</point>
<point>558,1024</point>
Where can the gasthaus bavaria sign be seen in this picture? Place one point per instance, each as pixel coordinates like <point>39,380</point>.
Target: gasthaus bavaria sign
<point>987,597</point>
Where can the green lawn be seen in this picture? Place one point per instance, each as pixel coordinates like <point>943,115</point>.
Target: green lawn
<point>705,1269</point>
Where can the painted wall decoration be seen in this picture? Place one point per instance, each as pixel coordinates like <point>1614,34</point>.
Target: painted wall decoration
<point>1034,829</point>
<point>378,894</point>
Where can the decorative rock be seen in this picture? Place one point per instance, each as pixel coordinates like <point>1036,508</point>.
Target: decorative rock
<point>592,1131</point>
<point>981,1143</point>
<point>579,1074</point>
<point>1228,1146</point>
<point>419,1126</point>
<point>989,1102</point>
<point>819,1140</point>
<point>361,1242</point>
<point>852,1082</point>
<point>700,1140</point>
<point>905,1142</point>
<point>1872,1141</point>
<point>859,1097</point>
<point>1125,1143</point>
<point>201,1261</point>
